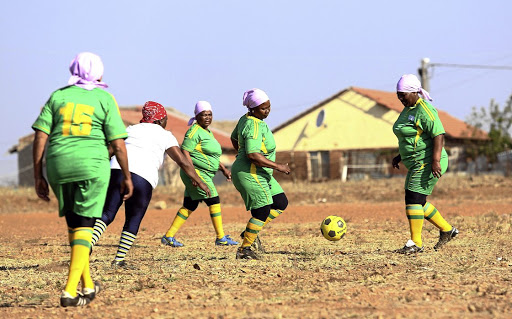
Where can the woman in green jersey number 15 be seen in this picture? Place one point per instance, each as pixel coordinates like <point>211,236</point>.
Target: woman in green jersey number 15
<point>79,121</point>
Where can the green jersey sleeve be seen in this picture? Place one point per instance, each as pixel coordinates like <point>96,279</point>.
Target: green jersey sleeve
<point>44,121</point>
<point>252,135</point>
<point>190,141</point>
<point>429,121</point>
<point>113,126</point>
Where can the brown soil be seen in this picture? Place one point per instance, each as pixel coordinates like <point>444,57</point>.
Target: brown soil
<point>302,275</point>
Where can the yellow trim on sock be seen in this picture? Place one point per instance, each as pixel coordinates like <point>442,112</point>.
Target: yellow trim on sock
<point>216,216</point>
<point>252,229</point>
<point>415,217</point>
<point>433,216</point>
<point>179,220</point>
<point>274,213</point>
<point>79,259</point>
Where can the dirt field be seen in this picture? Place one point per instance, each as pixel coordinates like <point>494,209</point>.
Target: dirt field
<point>302,275</point>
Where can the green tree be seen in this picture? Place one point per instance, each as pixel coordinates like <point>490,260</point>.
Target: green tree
<point>497,121</point>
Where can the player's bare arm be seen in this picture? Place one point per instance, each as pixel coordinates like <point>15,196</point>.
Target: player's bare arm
<point>436,155</point>
<point>41,185</point>
<point>225,171</point>
<point>178,156</point>
<point>259,160</point>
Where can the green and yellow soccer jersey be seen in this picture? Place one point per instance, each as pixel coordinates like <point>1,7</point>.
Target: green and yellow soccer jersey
<point>415,129</point>
<point>204,149</point>
<point>254,136</point>
<point>79,123</point>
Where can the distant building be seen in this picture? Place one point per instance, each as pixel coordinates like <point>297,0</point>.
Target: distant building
<point>349,135</point>
<point>169,174</point>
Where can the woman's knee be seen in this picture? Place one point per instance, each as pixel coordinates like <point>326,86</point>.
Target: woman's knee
<point>261,213</point>
<point>280,201</point>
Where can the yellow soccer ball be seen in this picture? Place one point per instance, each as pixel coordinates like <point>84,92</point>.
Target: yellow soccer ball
<point>333,228</point>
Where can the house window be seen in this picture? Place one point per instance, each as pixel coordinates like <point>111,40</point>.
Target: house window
<point>319,165</point>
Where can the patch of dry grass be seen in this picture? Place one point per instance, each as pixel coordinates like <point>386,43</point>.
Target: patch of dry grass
<point>302,275</point>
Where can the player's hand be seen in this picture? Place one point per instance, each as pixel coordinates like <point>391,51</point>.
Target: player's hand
<point>283,168</point>
<point>227,174</point>
<point>205,188</point>
<point>436,169</point>
<point>127,188</point>
<point>42,190</point>
<point>397,159</point>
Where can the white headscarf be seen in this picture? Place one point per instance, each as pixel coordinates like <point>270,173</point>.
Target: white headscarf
<point>254,98</point>
<point>200,107</point>
<point>86,71</point>
<point>410,83</point>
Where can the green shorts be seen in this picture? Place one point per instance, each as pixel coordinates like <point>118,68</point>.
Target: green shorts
<point>420,178</point>
<point>85,198</point>
<point>256,189</point>
<point>195,192</point>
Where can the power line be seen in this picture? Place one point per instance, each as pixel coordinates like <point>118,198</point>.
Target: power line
<point>472,66</point>
<point>423,70</point>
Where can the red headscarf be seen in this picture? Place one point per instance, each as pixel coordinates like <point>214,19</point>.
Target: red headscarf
<point>152,111</point>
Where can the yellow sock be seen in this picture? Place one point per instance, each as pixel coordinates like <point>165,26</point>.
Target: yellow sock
<point>274,213</point>
<point>80,247</point>
<point>179,220</point>
<point>86,276</point>
<point>251,231</point>
<point>433,216</point>
<point>86,273</point>
<point>216,220</point>
<point>415,216</point>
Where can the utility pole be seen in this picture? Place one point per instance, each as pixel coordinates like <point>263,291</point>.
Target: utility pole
<point>423,72</point>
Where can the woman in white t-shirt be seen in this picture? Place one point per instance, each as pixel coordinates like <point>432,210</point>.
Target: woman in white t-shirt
<point>146,146</point>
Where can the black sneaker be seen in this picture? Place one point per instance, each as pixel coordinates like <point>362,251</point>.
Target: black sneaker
<point>122,264</point>
<point>66,300</point>
<point>445,237</point>
<point>90,293</point>
<point>256,245</point>
<point>409,248</point>
<point>246,253</point>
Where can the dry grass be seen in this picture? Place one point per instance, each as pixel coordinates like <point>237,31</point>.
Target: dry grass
<point>302,276</point>
<point>486,187</point>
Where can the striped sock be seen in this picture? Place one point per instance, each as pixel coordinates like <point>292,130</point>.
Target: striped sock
<point>99,228</point>
<point>415,216</point>
<point>216,217</point>
<point>274,213</point>
<point>179,220</point>
<point>433,216</point>
<point>80,247</point>
<point>252,229</point>
<point>125,243</point>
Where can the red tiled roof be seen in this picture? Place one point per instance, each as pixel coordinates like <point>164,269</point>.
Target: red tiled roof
<point>454,127</point>
<point>175,123</point>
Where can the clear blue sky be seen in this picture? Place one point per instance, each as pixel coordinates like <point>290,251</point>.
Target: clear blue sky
<point>299,52</point>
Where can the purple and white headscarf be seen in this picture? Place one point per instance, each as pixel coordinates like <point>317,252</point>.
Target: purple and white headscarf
<point>254,98</point>
<point>200,107</point>
<point>410,83</point>
<point>86,71</point>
